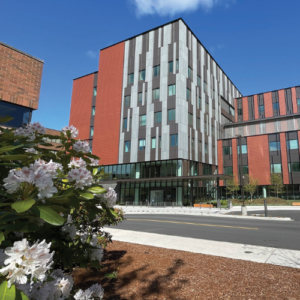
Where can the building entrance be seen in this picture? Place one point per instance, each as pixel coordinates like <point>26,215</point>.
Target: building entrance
<point>156,196</point>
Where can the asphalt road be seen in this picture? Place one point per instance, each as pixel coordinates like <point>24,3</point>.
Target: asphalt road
<point>278,234</point>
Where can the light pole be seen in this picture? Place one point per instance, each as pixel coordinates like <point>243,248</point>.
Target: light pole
<point>244,208</point>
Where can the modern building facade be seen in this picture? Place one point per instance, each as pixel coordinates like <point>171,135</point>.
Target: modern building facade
<point>20,83</point>
<point>153,113</point>
<point>269,124</point>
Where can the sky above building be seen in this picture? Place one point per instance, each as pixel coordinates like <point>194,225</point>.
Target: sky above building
<point>255,42</point>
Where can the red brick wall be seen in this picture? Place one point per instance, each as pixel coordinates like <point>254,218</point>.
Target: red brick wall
<point>294,99</point>
<point>284,162</point>
<point>108,104</point>
<point>256,115</point>
<point>20,77</point>
<point>220,160</point>
<point>81,105</point>
<point>245,109</point>
<point>282,105</point>
<point>268,105</point>
<point>258,158</point>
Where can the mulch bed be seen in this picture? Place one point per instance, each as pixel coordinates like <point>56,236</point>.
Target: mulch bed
<point>146,272</point>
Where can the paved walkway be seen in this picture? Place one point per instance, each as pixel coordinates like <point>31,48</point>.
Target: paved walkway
<point>268,255</point>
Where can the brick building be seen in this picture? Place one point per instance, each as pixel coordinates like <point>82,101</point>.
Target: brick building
<point>20,83</point>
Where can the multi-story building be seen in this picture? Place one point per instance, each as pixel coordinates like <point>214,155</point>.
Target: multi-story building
<point>269,126</point>
<point>20,83</point>
<point>153,112</point>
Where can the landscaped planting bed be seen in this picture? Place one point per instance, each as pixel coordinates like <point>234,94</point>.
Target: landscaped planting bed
<point>146,272</point>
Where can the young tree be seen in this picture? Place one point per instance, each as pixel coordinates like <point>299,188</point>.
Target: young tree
<point>276,183</point>
<point>251,186</point>
<point>232,186</point>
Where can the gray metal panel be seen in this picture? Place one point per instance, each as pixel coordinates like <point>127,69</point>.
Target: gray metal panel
<point>288,101</point>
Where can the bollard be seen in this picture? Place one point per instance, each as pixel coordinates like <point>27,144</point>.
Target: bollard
<point>266,208</point>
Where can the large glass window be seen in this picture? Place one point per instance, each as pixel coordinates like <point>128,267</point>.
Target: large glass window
<point>199,146</point>
<point>157,117</point>
<point>92,131</point>
<point>276,106</point>
<point>245,170</point>
<point>93,110</point>
<point>198,123</point>
<point>143,120</point>
<point>130,78</point>
<point>275,168</point>
<point>261,108</point>
<point>274,146</point>
<point>142,75</point>
<point>127,146</point>
<point>190,119</point>
<point>227,150</point>
<point>174,140</point>
<point>212,130</point>
<point>292,144</point>
<point>244,149</point>
<point>156,71</point>
<point>171,114</point>
<point>142,144</point>
<point>228,171</point>
<point>188,94</point>
<point>172,90</point>
<point>198,80</point>
<point>177,65</point>
<point>193,144</point>
<point>240,112</point>
<point>189,72</point>
<point>171,66</point>
<point>294,167</point>
<point>127,101</point>
<point>199,102</point>
<point>206,148</point>
<point>153,143</point>
<point>95,91</point>
<point>298,102</point>
<point>155,94</point>
<point>204,87</point>
<point>140,97</point>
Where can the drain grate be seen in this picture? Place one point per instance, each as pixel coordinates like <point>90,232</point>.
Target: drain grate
<point>248,252</point>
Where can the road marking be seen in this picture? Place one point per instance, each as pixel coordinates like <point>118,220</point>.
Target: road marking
<point>249,228</point>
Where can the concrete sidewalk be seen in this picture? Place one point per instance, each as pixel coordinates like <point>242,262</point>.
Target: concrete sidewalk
<point>268,255</point>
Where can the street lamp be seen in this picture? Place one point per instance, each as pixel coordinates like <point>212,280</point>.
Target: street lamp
<point>244,208</point>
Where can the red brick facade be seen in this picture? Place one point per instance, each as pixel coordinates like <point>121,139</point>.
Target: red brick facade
<point>282,105</point>
<point>268,105</point>
<point>20,77</point>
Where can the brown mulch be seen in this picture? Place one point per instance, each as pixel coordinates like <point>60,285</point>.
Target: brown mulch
<point>146,272</point>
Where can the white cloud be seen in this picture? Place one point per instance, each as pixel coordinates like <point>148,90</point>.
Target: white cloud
<point>172,7</point>
<point>92,54</point>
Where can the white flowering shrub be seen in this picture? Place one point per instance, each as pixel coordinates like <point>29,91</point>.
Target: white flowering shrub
<point>53,210</point>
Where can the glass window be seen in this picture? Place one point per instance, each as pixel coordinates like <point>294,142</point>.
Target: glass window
<point>143,120</point>
<point>231,111</point>
<point>199,146</point>
<point>244,149</point>
<point>93,110</point>
<point>142,143</point>
<point>292,144</point>
<point>276,106</point>
<point>199,80</point>
<point>155,94</point>
<point>177,65</point>
<point>92,131</point>
<point>189,72</point>
<point>125,123</point>
<point>228,171</point>
<point>127,101</point>
<point>160,142</point>
<point>206,148</point>
<point>212,130</point>
<point>171,114</point>
<point>190,119</point>
<point>95,91</point>
<point>127,146</point>
<point>240,112</point>
<point>227,150</point>
<point>274,146</point>
<point>130,123</point>
<point>199,102</point>
<point>275,168</point>
<point>188,94</point>
<point>193,144</point>
<point>213,94</point>
<point>245,170</point>
<point>146,96</point>
<point>153,143</point>
<point>213,112</point>
<point>142,75</point>
<point>298,102</point>
<point>130,78</point>
<point>156,71</point>
<point>172,90</point>
<point>157,117</point>
<point>261,108</point>
<point>91,149</point>
<point>140,97</point>
<point>204,87</point>
<point>205,127</point>
<point>198,123</point>
<point>174,140</point>
<point>170,66</point>
<point>206,107</point>
<point>294,167</point>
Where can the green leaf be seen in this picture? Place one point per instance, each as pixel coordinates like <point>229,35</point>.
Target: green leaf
<point>8,164</point>
<point>2,237</point>
<point>86,195</point>
<point>22,227</point>
<point>97,190</point>
<point>9,148</point>
<point>6,119</point>
<point>5,204</point>
<point>95,171</point>
<point>60,209</point>
<point>7,293</point>
<point>22,205</point>
<point>49,215</point>
<point>59,199</point>
<point>14,157</point>
<point>20,295</point>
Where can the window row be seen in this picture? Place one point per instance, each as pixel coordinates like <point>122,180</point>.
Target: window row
<point>227,150</point>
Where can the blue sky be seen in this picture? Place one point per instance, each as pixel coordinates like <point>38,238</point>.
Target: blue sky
<point>255,42</point>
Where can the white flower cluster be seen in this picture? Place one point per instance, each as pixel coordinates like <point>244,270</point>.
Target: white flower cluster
<point>31,150</point>
<point>39,173</point>
<point>30,130</point>
<point>81,176</point>
<point>94,162</point>
<point>110,197</point>
<point>74,131</point>
<point>81,146</point>
<point>80,163</point>
<point>69,228</point>
<point>22,260</point>
<point>95,291</point>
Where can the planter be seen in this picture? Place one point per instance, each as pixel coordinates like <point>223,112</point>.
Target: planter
<point>204,205</point>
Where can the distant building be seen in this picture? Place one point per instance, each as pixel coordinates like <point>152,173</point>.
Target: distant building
<point>20,84</point>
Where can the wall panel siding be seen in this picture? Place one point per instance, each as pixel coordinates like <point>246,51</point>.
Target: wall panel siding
<point>258,158</point>
<point>108,103</point>
<point>81,108</point>
<point>294,99</point>
<point>284,162</point>
<point>282,104</point>
<point>268,105</point>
